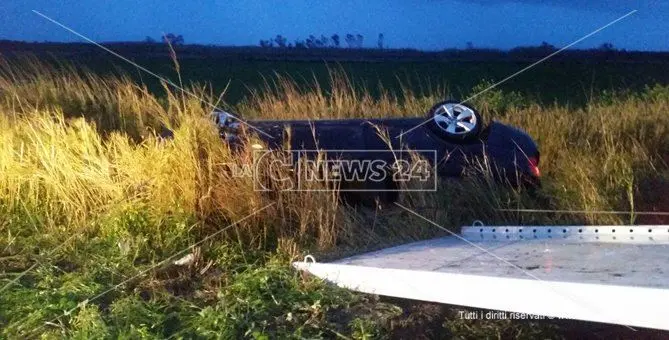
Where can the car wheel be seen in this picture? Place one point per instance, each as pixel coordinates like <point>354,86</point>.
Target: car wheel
<point>454,121</point>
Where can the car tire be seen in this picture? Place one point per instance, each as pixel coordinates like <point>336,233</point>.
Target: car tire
<point>453,121</point>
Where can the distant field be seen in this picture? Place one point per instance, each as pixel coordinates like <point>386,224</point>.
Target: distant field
<point>564,81</point>
<point>570,77</point>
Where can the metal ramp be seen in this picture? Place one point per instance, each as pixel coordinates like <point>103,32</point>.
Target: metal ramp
<point>610,274</point>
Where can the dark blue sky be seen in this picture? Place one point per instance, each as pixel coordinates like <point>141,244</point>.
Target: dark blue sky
<point>424,24</point>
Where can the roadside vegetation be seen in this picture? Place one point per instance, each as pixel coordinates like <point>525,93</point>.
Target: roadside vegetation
<point>100,211</point>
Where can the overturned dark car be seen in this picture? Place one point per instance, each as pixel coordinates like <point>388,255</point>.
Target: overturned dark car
<point>449,137</point>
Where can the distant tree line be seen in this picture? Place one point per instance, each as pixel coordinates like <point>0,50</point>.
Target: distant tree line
<point>546,48</point>
<point>335,41</point>
<point>355,41</point>
<point>602,52</point>
<point>169,38</point>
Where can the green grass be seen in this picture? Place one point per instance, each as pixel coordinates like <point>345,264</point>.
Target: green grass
<point>93,202</point>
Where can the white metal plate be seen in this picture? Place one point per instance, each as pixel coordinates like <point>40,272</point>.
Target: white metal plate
<point>586,275</point>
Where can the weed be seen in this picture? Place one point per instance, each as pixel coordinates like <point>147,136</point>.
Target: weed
<point>94,191</point>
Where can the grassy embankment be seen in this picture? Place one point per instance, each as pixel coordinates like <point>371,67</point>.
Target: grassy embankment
<point>92,199</point>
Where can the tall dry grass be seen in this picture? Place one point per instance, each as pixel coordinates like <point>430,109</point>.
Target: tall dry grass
<point>281,97</point>
<point>74,145</point>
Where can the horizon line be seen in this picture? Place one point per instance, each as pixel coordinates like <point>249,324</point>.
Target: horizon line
<point>475,48</point>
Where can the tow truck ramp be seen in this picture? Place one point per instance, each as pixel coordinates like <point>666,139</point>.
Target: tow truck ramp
<point>610,274</point>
